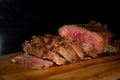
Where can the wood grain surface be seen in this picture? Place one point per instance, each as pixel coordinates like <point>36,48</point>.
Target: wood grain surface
<point>103,68</point>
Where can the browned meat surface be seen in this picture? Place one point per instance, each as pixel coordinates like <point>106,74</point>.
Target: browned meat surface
<point>97,35</point>
<point>32,62</point>
<point>74,43</point>
<point>77,47</point>
<point>68,53</point>
<point>83,35</point>
<point>90,50</point>
<point>55,57</point>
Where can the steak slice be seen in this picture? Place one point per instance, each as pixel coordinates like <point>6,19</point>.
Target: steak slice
<point>30,47</point>
<point>32,62</point>
<point>55,57</point>
<point>77,47</point>
<point>67,52</point>
<point>89,50</point>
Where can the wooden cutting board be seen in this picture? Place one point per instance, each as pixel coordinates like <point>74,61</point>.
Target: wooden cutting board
<point>105,68</point>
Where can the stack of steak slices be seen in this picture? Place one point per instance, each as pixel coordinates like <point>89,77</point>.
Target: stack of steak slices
<point>74,43</point>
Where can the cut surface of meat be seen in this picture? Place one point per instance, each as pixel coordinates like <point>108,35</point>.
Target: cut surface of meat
<point>83,35</point>
<point>32,62</point>
<point>74,43</point>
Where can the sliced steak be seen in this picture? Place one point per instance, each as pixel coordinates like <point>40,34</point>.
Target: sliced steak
<point>89,50</point>
<point>32,62</point>
<point>83,35</point>
<point>55,57</point>
<point>77,47</point>
<point>74,43</point>
<point>67,52</point>
<point>97,35</point>
<point>30,47</point>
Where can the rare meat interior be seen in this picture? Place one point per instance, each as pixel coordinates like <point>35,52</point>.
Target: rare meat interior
<point>75,42</point>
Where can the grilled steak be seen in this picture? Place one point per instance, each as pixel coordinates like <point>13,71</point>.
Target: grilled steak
<point>74,43</point>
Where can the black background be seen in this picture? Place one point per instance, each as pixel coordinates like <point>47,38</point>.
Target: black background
<point>20,19</point>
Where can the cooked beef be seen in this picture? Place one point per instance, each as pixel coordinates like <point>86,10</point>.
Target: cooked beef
<point>77,47</point>
<point>89,50</point>
<point>83,35</point>
<point>67,52</point>
<point>74,43</point>
<point>55,57</point>
<point>32,62</point>
<point>96,35</point>
<point>30,47</point>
